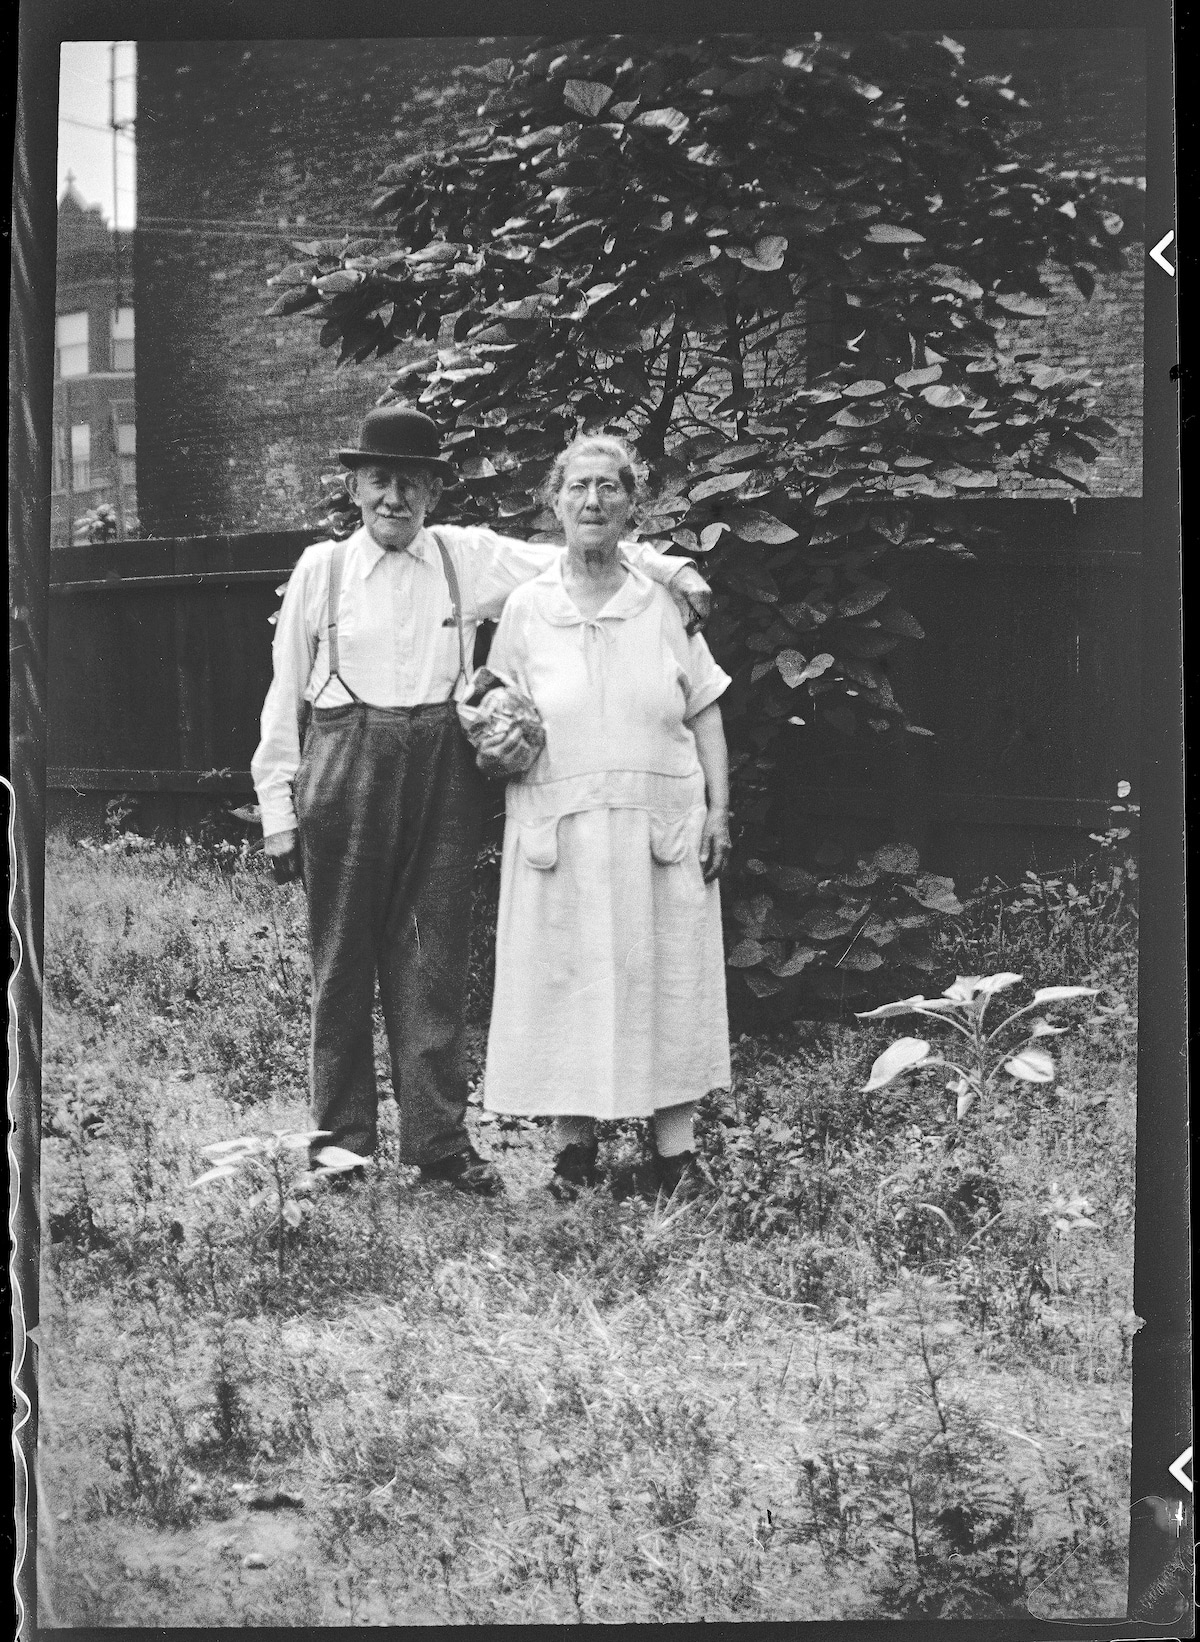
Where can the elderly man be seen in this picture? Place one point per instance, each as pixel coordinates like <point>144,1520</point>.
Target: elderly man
<point>377,804</point>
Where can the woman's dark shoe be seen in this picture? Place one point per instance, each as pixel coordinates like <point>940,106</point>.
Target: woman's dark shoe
<point>678,1176</point>
<point>575,1167</point>
<point>638,1179</point>
<point>465,1171</point>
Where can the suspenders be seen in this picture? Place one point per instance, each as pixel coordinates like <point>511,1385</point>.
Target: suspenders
<point>337,561</point>
<point>456,601</point>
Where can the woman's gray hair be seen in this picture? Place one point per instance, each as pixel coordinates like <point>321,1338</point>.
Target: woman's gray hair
<point>629,470</point>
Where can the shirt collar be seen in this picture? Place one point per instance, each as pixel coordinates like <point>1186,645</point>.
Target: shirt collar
<point>558,607</point>
<point>369,553</point>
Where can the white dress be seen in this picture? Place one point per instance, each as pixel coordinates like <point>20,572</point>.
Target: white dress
<point>610,969</point>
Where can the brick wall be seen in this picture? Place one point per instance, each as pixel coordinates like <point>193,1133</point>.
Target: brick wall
<point>238,414</point>
<point>1087,87</point>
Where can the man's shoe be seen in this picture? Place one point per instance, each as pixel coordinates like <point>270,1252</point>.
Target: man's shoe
<point>466,1171</point>
<point>574,1167</point>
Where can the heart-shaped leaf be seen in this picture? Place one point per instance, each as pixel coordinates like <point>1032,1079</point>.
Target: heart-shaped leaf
<point>936,893</point>
<point>755,524</point>
<point>886,233</point>
<point>669,120</point>
<point>865,418</point>
<point>799,959</point>
<point>825,925</point>
<point>832,493</point>
<point>711,535</point>
<point>340,283</point>
<point>766,256</point>
<point>818,665</point>
<point>949,280</point>
<point>586,96</point>
<point>865,389</point>
<point>862,600</point>
<point>918,379</point>
<point>720,484</point>
<point>943,397</point>
<point>746,954</point>
<point>902,860</point>
<point>899,1057</point>
<point>792,667</point>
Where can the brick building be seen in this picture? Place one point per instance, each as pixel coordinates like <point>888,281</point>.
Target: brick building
<point>246,145</point>
<point>94,418</point>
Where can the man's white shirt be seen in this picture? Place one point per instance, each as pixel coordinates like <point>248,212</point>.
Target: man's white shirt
<point>397,638</point>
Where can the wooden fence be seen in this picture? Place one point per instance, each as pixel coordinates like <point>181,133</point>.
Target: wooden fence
<point>160,658</point>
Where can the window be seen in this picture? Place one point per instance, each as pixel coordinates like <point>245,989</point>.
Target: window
<point>60,456</point>
<point>127,452</point>
<point>81,456</point>
<point>122,339</point>
<point>71,344</point>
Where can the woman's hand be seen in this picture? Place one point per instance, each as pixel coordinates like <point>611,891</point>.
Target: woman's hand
<point>714,844</point>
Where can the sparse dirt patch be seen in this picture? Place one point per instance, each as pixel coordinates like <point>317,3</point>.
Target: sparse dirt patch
<point>803,1395</point>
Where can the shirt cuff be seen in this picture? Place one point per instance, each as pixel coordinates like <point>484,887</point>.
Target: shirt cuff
<point>277,815</point>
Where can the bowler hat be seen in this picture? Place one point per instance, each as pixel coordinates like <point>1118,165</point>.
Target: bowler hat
<point>397,433</point>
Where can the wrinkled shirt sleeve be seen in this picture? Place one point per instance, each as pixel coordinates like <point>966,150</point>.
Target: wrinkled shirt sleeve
<point>507,652</point>
<point>293,651</point>
<point>501,563</point>
<point>705,680</point>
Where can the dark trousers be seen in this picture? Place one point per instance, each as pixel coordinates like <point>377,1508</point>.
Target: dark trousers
<point>390,809</point>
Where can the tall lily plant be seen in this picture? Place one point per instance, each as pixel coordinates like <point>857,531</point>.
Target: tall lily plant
<point>1014,1048</point>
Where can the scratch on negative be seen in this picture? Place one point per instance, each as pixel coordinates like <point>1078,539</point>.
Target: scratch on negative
<point>417,928</point>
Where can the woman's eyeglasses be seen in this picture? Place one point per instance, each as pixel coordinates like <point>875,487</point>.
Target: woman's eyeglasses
<point>606,490</point>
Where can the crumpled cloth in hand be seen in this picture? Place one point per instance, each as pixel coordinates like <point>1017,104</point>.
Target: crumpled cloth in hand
<point>488,713</point>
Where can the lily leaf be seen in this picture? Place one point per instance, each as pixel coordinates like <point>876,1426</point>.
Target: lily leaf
<point>1031,1066</point>
<point>899,1057</point>
<point>997,983</point>
<point>337,1158</point>
<point>223,1171</point>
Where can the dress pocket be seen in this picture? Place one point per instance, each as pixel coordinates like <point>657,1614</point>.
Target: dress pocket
<point>539,843</point>
<point>669,839</point>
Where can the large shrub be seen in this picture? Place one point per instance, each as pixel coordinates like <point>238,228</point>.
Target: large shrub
<point>795,273</point>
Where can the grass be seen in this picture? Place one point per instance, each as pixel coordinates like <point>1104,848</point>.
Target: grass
<point>864,1374</point>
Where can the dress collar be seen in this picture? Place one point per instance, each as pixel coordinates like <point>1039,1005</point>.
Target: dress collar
<point>369,553</point>
<point>633,596</point>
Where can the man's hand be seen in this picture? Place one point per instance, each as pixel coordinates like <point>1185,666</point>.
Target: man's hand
<point>715,844</point>
<point>692,595</point>
<point>283,851</point>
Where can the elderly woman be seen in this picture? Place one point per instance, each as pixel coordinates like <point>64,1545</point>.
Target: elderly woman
<point>610,982</point>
